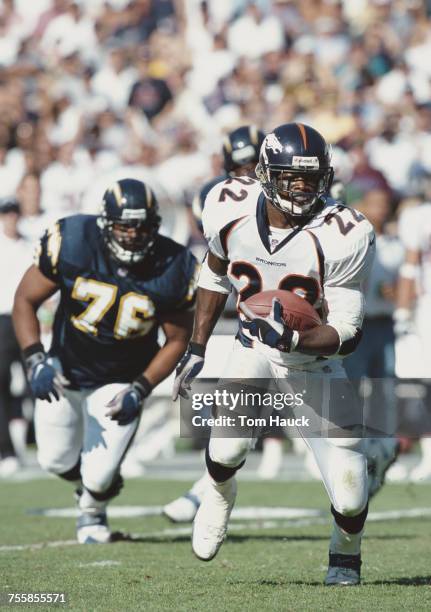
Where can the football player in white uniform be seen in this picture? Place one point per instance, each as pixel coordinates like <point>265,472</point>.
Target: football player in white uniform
<point>240,151</point>
<point>286,233</point>
<point>414,302</point>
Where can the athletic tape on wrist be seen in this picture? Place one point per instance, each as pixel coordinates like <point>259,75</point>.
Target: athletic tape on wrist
<point>143,386</point>
<point>33,355</point>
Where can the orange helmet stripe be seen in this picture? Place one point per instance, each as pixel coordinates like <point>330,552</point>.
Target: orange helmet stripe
<point>303,133</point>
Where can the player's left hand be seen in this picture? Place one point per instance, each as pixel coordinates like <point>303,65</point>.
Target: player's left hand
<point>126,406</point>
<point>189,367</point>
<point>270,330</point>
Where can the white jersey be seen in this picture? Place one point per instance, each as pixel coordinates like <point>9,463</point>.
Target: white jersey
<point>415,234</point>
<point>229,200</point>
<point>324,262</point>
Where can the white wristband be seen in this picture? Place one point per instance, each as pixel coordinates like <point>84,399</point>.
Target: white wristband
<point>212,281</point>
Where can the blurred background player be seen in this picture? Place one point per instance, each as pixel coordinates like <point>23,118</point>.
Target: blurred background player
<point>120,282</point>
<point>414,303</point>
<point>240,155</point>
<point>15,259</point>
<point>374,358</point>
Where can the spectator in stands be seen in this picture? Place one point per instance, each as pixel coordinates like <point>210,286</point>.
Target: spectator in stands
<point>15,258</point>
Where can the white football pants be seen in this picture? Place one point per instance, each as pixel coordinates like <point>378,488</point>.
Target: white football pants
<point>342,462</point>
<point>76,425</point>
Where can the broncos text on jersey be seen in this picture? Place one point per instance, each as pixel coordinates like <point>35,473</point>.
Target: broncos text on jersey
<point>324,261</point>
<point>106,325</point>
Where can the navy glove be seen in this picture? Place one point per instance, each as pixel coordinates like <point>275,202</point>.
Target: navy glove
<point>271,330</point>
<point>188,368</point>
<point>126,406</point>
<point>46,382</point>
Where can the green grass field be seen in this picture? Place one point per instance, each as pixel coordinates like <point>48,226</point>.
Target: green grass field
<point>277,565</point>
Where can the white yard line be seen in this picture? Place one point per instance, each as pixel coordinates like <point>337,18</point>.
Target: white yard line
<point>244,512</point>
<point>317,518</point>
<point>104,563</point>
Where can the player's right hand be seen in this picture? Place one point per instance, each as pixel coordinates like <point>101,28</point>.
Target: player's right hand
<point>188,368</point>
<point>270,330</point>
<point>46,383</point>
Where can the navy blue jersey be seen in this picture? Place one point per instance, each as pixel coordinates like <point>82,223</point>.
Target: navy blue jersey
<point>106,325</point>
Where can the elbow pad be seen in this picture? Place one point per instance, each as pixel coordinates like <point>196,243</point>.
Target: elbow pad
<point>212,281</point>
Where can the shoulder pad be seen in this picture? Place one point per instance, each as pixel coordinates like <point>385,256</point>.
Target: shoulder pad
<point>228,200</point>
<point>198,201</point>
<point>340,229</point>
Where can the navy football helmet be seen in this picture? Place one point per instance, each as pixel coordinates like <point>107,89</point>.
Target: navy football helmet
<point>295,169</point>
<point>242,147</point>
<point>129,220</point>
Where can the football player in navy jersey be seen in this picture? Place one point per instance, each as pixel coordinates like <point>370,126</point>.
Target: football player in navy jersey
<point>120,281</point>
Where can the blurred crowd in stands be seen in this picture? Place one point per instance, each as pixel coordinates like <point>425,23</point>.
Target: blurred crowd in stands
<point>88,87</point>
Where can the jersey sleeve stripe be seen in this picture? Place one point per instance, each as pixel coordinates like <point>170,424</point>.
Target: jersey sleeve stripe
<point>320,256</point>
<point>225,233</point>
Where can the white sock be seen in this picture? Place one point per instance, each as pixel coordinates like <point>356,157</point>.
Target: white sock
<point>345,543</point>
<point>200,485</point>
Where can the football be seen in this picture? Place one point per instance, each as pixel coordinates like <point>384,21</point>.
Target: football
<point>298,314</point>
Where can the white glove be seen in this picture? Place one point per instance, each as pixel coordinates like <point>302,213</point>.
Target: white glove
<point>188,368</point>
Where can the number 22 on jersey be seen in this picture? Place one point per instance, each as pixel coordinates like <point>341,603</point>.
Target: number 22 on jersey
<point>135,311</point>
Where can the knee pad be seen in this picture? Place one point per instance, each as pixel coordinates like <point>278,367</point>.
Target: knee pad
<point>109,492</point>
<point>230,452</point>
<point>74,473</point>
<point>350,524</point>
<point>218,472</point>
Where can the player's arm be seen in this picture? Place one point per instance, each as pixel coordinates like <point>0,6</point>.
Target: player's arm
<point>213,290</point>
<point>321,340</point>
<point>32,291</point>
<point>344,298</point>
<point>340,335</point>
<point>177,328</point>
<point>406,292</point>
<point>45,382</point>
<point>344,303</point>
<point>271,330</point>
<point>126,405</point>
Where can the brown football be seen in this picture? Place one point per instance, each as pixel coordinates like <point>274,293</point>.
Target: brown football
<point>297,312</point>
